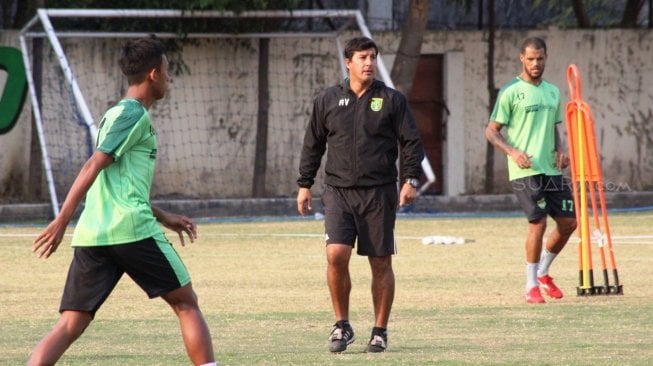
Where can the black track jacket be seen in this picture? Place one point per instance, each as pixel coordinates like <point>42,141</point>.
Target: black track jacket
<point>363,136</point>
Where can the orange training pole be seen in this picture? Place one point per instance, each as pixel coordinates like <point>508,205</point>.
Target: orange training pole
<point>586,174</point>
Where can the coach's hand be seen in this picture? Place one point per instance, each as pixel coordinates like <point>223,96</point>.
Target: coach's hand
<point>407,195</point>
<point>304,201</point>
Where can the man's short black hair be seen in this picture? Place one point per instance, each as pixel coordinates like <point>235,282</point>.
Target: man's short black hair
<point>359,44</point>
<point>139,56</point>
<point>533,42</point>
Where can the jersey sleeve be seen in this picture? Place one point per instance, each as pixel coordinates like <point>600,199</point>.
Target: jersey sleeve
<point>502,111</point>
<point>123,132</point>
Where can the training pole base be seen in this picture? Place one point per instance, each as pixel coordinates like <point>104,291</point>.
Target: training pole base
<point>600,290</point>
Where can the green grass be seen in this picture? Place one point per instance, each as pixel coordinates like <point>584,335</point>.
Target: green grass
<point>263,291</point>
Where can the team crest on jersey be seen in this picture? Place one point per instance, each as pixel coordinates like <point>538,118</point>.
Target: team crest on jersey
<point>377,104</point>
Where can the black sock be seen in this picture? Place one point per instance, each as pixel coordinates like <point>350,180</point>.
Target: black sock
<point>343,323</point>
<point>379,331</point>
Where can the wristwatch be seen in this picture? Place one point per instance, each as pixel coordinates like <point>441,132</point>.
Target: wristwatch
<point>413,182</point>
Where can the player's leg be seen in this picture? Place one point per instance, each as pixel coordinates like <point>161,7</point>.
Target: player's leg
<point>339,283</point>
<point>561,204</point>
<point>70,326</point>
<point>565,226</point>
<point>561,208</point>
<point>531,197</point>
<point>383,292</point>
<point>194,329</point>
<point>340,232</point>
<point>534,237</point>
<point>156,267</point>
<point>556,241</point>
<point>383,289</point>
<point>91,278</point>
<point>376,223</point>
<point>338,278</point>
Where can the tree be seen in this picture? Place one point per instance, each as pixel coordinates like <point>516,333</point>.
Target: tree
<point>631,13</point>
<point>410,46</point>
<point>15,13</point>
<point>629,19</point>
<point>597,13</point>
<point>492,95</point>
<point>581,14</point>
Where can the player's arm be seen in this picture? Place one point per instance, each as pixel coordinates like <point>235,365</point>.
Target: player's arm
<point>177,223</point>
<point>313,149</point>
<point>48,241</point>
<point>494,136</point>
<point>412,152</point>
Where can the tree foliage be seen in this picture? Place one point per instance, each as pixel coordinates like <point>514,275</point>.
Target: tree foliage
<point>574,13</point>
<point>594,13</point>
<point>15,13</point>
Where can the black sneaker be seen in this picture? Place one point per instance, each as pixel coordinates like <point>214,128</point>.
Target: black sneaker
<point>378,343</point>
<point>341,337</point>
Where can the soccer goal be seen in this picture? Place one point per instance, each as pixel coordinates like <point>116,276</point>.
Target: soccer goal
<point>232,124</point>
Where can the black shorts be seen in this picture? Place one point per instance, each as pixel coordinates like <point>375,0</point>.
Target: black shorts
<point>541,195</point>
<point>366,213</point>
<point>94,272</point>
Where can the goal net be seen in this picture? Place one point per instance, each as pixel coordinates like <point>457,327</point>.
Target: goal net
<point>232,123</point>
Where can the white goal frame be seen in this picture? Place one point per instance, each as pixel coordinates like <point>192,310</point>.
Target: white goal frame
<point>44,16</point>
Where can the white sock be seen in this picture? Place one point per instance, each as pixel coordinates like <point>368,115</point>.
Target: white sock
<point>546,258</point>
<point>531,276</point>
<point>209,364</point>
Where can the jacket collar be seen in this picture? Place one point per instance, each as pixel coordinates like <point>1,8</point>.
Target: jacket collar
<point>376,84</point>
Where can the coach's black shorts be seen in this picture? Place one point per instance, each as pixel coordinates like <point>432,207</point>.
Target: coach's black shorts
<point>94,272</point>
<point>541,195</point>
<point>366,213</point>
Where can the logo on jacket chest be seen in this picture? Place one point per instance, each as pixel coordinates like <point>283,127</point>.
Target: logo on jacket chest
<point>376,104</point>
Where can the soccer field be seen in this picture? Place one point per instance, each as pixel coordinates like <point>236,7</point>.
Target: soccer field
<point>262,288</point>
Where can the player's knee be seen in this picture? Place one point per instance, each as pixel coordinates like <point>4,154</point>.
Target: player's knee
<point>381,264</point>
<point>538,226</point>
<point>73,324</point>
<point>338,255</point>
<point>181,299</point>
<point>568,226</point>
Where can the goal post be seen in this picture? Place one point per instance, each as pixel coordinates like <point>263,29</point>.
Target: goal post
<point>208,123</point>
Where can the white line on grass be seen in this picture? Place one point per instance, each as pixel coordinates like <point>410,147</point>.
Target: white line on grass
<point>626,239</point>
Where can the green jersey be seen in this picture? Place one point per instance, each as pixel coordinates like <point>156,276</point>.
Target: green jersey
<point>117,208</point>
<point>530,114</point>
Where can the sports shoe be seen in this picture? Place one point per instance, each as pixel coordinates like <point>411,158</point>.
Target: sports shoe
<point>378,343</point>
<point>534,296</point>
<point>549,287</point>
<point>340,338</point>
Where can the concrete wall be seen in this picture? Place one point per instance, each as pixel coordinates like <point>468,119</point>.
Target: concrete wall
<point>617,82</point>
<point>615,66</point>
<point>14,145</point>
